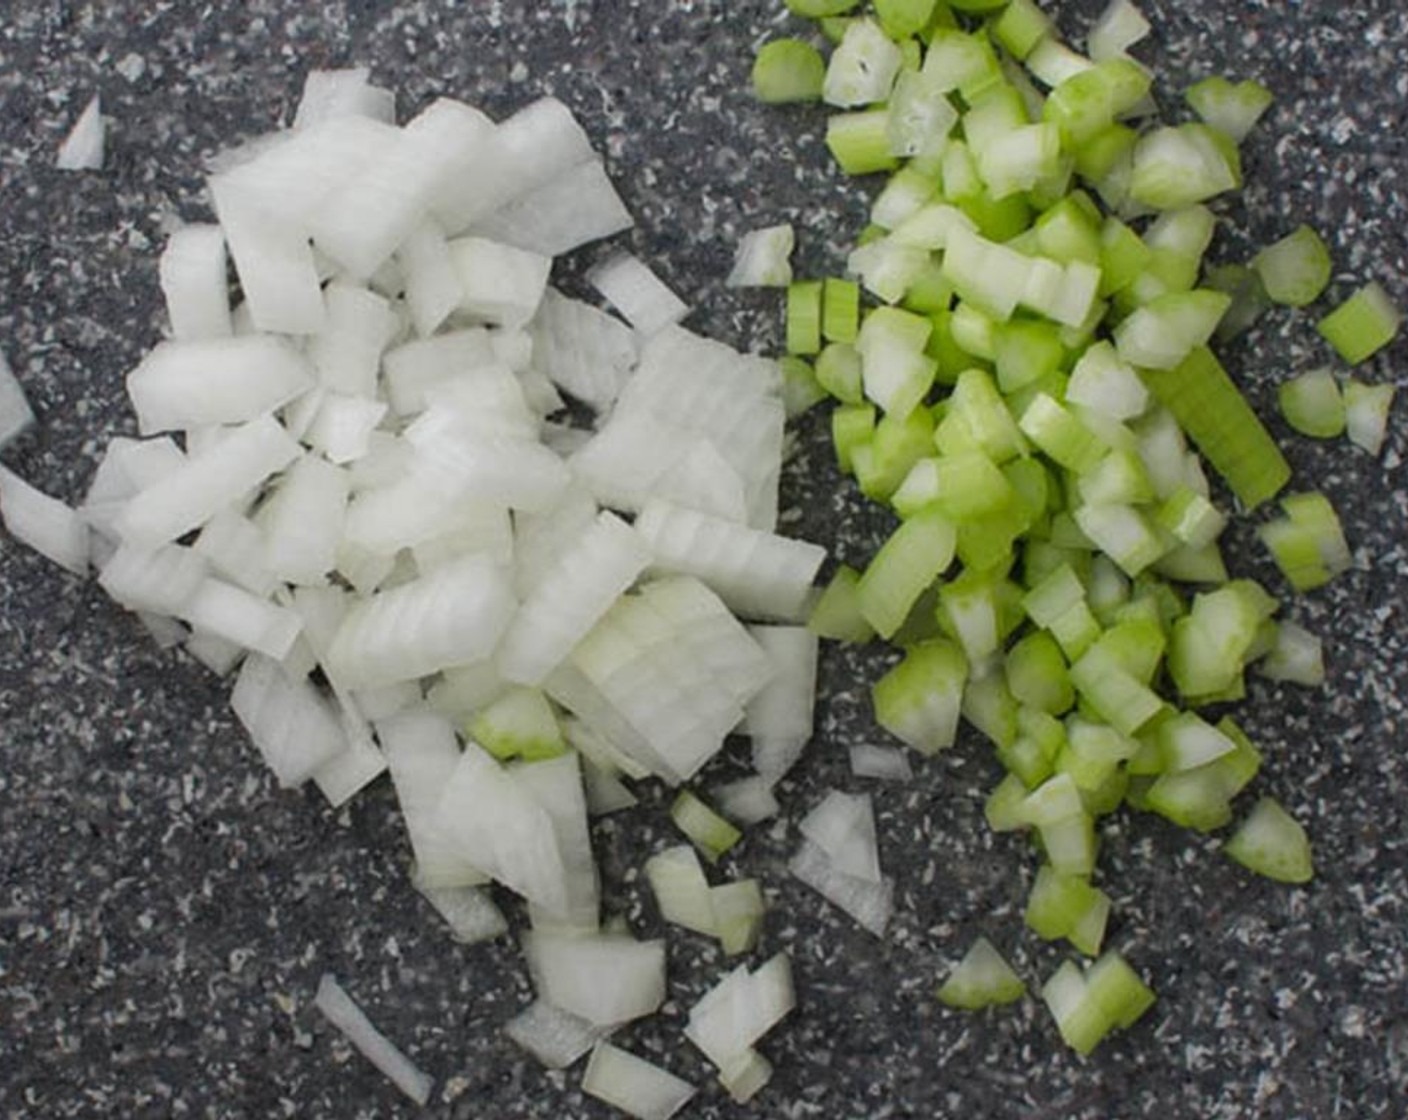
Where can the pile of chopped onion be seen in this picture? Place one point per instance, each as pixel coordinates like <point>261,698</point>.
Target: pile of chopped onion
<point>360,493</point>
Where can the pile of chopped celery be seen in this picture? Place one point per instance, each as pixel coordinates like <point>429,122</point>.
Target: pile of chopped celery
<point>1019,355</point>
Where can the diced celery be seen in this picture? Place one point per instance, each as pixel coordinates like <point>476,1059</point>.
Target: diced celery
<point>1295,656</point>
<point>840,310</point>
<point>1003,809</point>
<point>852,426</point>
<point>837,614</point>
<point>1271,842</point>
<point>1363,325</point>
<point>820,9</point>
<point>981,979</point>
<point>1366,410</point>
<point>1312,404</point>
<point>1081,1021</point>
<point>897,445</point>
<point>919,700</point>
<point>1059,433</point>
<point>838,371</point>
<point>863,67</point>
<point>1307,544</point>
<point>1179,166</point>
<point>968,613</point>
<point>800,388</point>
<point>916,554</point>
<point>1037,673</point>
<point>708,831</point>
<point>788,70</point>
<point>991,709</point>
<point>1117,990</point>
<point>1088,102</point>
<point>804,317</point>
<point>1216,416</point>
<point>1296,269</point>
<point>861,141</point>
<point>1231,109</point>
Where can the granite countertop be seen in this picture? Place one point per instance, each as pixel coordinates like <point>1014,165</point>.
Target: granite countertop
<point>165,910</point>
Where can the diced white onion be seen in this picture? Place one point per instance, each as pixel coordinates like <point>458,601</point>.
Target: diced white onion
<point>193,276</point>
<point>289,721</point>
<point>45,524</point>
<point>15,413</point>
<point>555,1037</point>
<point>605,978</point>
<point>642,298</point>
<point>339,1009</point>
<point>82,149</point>
<point>635,1086</point>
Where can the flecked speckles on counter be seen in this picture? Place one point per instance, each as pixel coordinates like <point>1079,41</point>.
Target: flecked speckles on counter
<point>165,911</point>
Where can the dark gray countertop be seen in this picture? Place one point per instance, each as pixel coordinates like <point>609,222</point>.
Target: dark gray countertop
<point>165,911</point>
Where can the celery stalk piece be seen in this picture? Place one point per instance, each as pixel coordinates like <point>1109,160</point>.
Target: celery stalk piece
<point>852,429</point>
<point>921,117</point>
<point>837,614</point>
<point>919,700</point>
<point>838,371</point>
<point>804,317</point>
<point>1363,325</point>
<point>1117,990</point>
<point>1058,903</point>
<point>916,554</point>
<point>1307,544</point>
<point>1061,434</point>
<point>1210,408</point>
<point>863,67</point>
<point>903,18</point>
<point>1091,100</point>
<point>1082,1022</point>
<point>860,141</point>
<point>800,387</point>
<point>1312,404</point>
<point>1295,656</point>
<point>1176,167</point>
<point>1020,27</point>
<point>1271,842</point>
<point>1037,673</point>
<point>1366,414</point>
<point>840,310</point>
<point>739,909</point>
<point>1296,269</point>
<point>787,70</point>
<point>710,833</point>
<point>820,9</point>
<point>1003,808</point>
<point>1232,109</point>
<point>1161,334</point>
<point>761,260</point>
<point>1118,28</point>
<point>983,978</point>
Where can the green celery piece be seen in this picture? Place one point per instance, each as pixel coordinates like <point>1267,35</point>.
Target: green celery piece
<point>903,18</point>
<point>896,446</point>
<point>1249,299</point>
<point>1026,758</point>
<point>971,486</point>
<point>1087,103</point>
<point>820,9</point>
<point>983,978</point>
<point>1366,414</point>
<point>1057,902</point>
<point>916,554</point>
<point>919,700</point>
<point>968,612</point>
<point>929,294</point>
<point>1215,415</point>
<point>1183,165</point>
<point>804,317</point>
<point>1071,230</point>
<point>991,709</point>
<point>852,427</point>
<point>1026,350</point>
<point>838,371</point>
<point>800,388</point>
<point>1296,269</point>
<point>1092,753</point>
<point>840,310</point>
<point>1313,405</point>
<point>836,614</point>
<point>1070,844</point>
<point>1113,692</point>
<point>1363,325</point>
<point>1209,646</point>
<point>1232,109</point>
<point>1082,1022</point>
<point>788,70</point>
<point>860,141</point>
<point>1003,807</point>
<point>1061,434</point>
<point>1117,990</point>
<point>977,402</point>
<point>708,831</point>
<point>1020,27</point>
<point>1038,675</point>
<point>1272,843</point>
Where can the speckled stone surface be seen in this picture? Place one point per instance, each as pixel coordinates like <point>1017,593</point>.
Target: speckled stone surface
<point>165,911</point>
